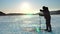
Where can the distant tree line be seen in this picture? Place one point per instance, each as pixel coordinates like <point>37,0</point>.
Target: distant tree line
<point>51,12</point>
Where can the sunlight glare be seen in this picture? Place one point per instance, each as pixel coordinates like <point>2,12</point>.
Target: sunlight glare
<point>25,7</point>
<point>27,16</point>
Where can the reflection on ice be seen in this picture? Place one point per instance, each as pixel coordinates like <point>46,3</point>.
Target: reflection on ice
<point>27,24</point>
<point>27,16</point>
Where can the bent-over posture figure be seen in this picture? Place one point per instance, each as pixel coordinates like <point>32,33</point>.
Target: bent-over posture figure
<point>47,17</point>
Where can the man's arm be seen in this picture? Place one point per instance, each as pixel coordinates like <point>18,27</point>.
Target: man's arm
<point>41,10</point>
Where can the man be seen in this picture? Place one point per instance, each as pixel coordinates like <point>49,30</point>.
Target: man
<point>47,17</point>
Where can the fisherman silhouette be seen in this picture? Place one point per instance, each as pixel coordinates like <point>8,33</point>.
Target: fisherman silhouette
<point>47,18</point>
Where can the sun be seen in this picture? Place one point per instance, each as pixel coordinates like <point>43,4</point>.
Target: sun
<point>27,8</point>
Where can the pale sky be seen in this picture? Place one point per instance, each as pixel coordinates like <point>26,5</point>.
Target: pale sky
<point>27,6</point>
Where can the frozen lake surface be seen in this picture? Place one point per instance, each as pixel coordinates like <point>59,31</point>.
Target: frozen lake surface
<point>26,24</point>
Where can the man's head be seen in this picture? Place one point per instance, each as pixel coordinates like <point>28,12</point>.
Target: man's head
<point>44,7</point>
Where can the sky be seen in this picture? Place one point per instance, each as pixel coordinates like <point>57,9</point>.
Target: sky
<point>27,6</point>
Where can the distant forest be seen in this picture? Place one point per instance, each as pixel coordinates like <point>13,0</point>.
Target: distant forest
<point>51,12</point>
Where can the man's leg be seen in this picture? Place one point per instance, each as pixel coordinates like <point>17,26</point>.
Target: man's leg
<point>46,25</point>
<point>49,26</point>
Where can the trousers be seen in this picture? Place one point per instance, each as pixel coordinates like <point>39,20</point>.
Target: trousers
<point>48,24</point>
